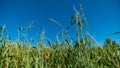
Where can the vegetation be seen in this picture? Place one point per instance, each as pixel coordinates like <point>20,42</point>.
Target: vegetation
<point>83,53</point>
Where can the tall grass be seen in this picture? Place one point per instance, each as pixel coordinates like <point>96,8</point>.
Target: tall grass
<point>83,53</point>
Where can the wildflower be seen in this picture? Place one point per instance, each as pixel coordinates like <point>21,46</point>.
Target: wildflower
<point>46,57</point>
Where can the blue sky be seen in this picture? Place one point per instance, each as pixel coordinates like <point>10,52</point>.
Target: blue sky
<point>103,16</point>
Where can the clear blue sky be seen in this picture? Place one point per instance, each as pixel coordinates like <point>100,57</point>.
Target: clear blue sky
<point>103,16</point>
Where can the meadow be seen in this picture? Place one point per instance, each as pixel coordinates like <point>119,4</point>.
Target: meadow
<point>82,53</point>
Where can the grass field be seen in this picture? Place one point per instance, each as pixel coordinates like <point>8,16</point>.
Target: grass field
<point>83,53</point>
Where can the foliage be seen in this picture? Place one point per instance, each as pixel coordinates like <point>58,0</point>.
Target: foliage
<point>13,55</point>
